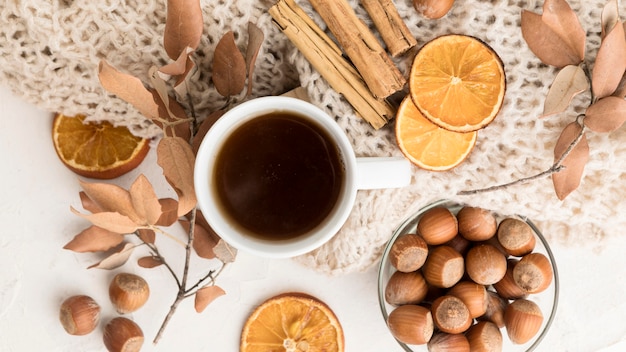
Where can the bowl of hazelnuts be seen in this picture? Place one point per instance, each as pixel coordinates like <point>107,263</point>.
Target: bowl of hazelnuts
<point>457,278</point>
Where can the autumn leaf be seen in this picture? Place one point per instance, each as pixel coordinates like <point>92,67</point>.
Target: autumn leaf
<point>180,128</point>
<point>183,26</point>
<point>169,212</point>
<point>204,240</point>
<point>225,252</point>
<point>111,198</point>
<point>568,179</point>
<point>569,82</point>
<point>117,259</point>
<point>88,203</point>
<point>176,158</point>
<point>145,201</point>
<point>149,262</point>
<point>229,67</point>
<point>606,115</point>
<point>94,239</point>
<point>129,89</point>
<point>147,235</point>
<point>181,68</point>
<point>610,63</point>
<point>111,221</point>
<point>609,17</point>
<point>255,40</point>
<point>555,37</point>
<point>206,295</point>
<point>204,128</point>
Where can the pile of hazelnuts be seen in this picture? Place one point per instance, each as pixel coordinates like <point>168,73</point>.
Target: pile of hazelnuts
<point>460,279</point>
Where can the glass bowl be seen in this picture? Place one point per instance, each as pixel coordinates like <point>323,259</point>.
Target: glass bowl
<point>547,300</point>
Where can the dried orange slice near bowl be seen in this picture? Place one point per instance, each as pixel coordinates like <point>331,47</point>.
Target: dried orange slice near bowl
<point>97,150</point>
<point>428,145</point>
<point>458,82</point>
<point>292,322</point>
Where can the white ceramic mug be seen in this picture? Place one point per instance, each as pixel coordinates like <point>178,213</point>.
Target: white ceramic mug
<point>359,173</point>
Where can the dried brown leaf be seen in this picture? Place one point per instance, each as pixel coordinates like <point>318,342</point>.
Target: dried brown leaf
<point>88,203</point>
<point>204,240</point>
<point>149,262</point>
<point>111,221</point>
<point>569,82</point>
<point>129,89</point>
<point>117,259</point>
<point>94,239</point>
<point>610,63</point>
<point>177,67</point>
<point>255,40</point>
<point>206,295</point>
<point>169,212</point>
<point>229,67</point>
<point>568,179</point>
<point>180,129</point>
<point>147,235</point>
<point>609,17</point>
<point>606,115</point>
<point>183,26</point>
<point>555,37</point>
<point>176,158</point>
<point>204,128</point>
<point>225,252</point>
<point>145,201</point>
<point>621,88</point>
<point>111,198</point>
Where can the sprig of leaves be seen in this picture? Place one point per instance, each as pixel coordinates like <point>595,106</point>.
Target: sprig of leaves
<point>557,38</point>
<point>123,220</point>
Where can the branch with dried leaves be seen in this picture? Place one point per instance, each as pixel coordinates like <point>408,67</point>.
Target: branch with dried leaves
<point>557,38</point>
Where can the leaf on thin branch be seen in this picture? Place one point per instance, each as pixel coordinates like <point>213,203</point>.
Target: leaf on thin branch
<point>204,240</point>
<point>180,69</point>
<point>206,295</point>
<point>117,259</point>
<point>606,115</point>
<point>128,88</point>
<point>149,262</point>
<point>94,239</point>
<point>176,158</point>
<point>183,26</point>
<point>255,40</point>
<point>609,17</point>
<point>111,221</point>
<point>555,37</point>
<point>569,82</point>
<point>111,198</point>
<point>88,203</point>
<point>204,128</point>
<point>225,252</point>
<point>147,235</point>
<point>610,63</point>
<point>169,212</point>
<point>229,67</point>
<point>180,129</point>
<point>145,201</point>
<point>568,179</point>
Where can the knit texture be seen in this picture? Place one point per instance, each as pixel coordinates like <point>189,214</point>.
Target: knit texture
<point>50,50</point>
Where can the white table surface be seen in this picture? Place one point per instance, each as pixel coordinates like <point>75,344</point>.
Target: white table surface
<point>37,274</point>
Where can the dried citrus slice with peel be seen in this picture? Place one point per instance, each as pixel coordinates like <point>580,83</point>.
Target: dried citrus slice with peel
<point>458,82</point>
<point>292,322</point>
<point>97,150</point>
<point>428,145</point>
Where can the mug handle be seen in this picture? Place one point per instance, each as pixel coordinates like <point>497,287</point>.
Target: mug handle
<point>382,172</point>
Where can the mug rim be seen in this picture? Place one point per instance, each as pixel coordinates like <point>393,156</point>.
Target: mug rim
<point>211,145</point>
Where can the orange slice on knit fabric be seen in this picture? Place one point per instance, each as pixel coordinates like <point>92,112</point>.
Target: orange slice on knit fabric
<point>428,145</point>
<point>97,150</point>
<point>292,322</point>
<point>458,82</point>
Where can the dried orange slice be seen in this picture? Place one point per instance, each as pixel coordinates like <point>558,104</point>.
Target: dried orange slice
<point>428,145</point>
<point>97,150</point>
<point>292,322</point>
<point>458,82</point>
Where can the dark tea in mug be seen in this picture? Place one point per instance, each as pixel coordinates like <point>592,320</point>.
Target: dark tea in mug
<point>278,176</point>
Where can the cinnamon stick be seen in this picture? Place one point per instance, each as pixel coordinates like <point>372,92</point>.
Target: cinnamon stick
<point>390,26</point>
<point>326,57</point>
<point>368,56</point>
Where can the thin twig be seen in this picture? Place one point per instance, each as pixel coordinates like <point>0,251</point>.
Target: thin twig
<point>156,253</point>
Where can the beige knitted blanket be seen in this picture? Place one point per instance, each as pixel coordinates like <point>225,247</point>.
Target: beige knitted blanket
<point>50,49</point>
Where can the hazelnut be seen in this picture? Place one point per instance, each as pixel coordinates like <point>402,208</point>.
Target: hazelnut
<point>459,243</point>
<point>485,264</point>
<point>516,237</point>
<point>433,9</point>
<point>523,319</point>
<point>476,224</point>
<point>122,335</point>
<point>533,273</point>
<point>444,267</point>
<point>405,288</point>
<point>473,295</point>
<point>443,342</point>
<point>128,292</point>
<point>408,253</point>
<point>451,315</point>
<point>437,226</point>
<point>495,309</point>
<point>484,336</point>
<point>507,288</point>
<point>411,324</point>
<point>79,315</point>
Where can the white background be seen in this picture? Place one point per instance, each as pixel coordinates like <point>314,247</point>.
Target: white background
<point>36,274</point>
